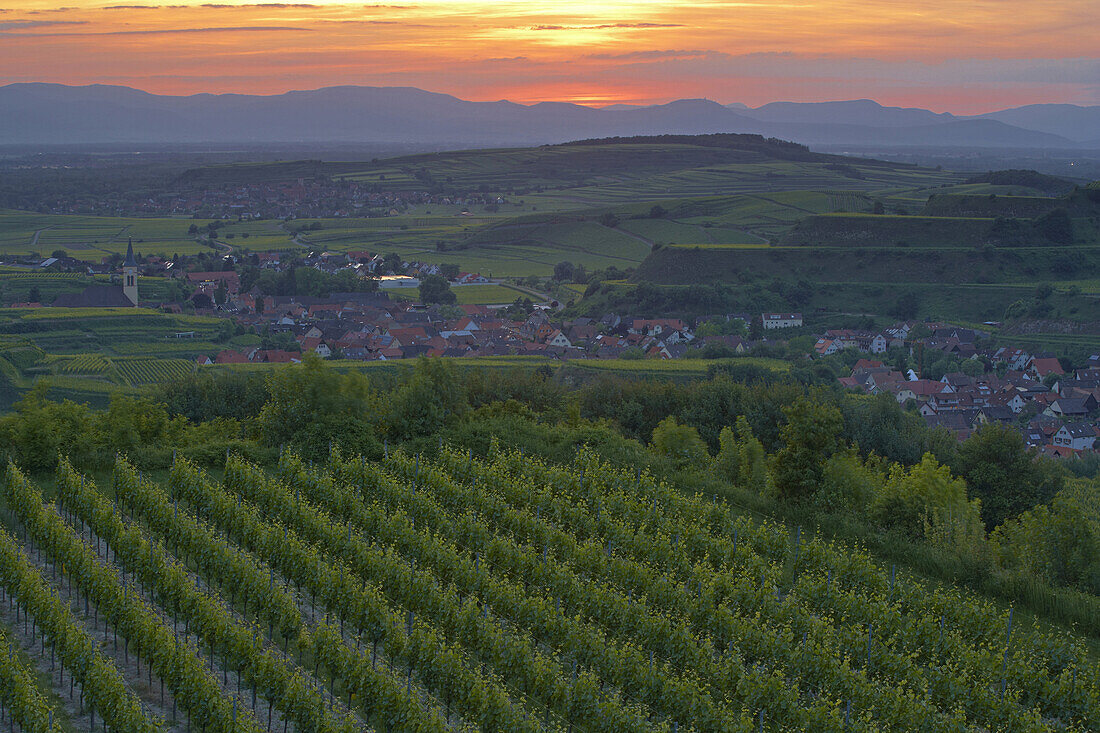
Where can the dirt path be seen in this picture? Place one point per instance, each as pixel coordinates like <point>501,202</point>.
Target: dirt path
<point>644,240</point>
<point>38,233</point>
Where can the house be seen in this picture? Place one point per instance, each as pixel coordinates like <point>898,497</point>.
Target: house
<point>995,413</point>
<point>1039,368</point>
<point>230,357</point>
<point>318,346</point>
<point>558,339</point>
<point>920,390</point>
<point>1075,435</point>
<point>1016,359</point>
<point>1068,407</point>
<point>781,320</point>
<point>203,360</point>
<point>211,280</point>
<point>826,347</point>
<point>656,326</point>
<point>865,364</point>
<point>955,422</point>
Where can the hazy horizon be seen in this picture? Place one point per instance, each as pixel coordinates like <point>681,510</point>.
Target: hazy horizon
<point>983,57</point>
<point>733,103</point>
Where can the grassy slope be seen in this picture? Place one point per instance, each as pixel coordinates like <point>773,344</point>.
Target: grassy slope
<point>619,176</point>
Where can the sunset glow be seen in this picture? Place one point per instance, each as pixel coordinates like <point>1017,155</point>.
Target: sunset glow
<point>959,57</point>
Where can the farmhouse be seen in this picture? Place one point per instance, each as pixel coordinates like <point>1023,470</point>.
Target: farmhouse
<point>1078,435</point>
<point>781,320</point>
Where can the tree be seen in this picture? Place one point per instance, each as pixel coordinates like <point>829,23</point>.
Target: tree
<point>756,328</point>
<point>878,208</point>
<point>1004,474</point>
<point>910,494</point>
<point>221,294</point>
<point>973,367</point>
<point>35,295</point>
<point>393,263</point>
<point>425,403</point>
<point>679,443</point>
<point>810,436</point>
<point>741,457</point>
<point>311,406</point>
<point>609,220</point>
<point>563,271</point>
<point>436,289</point>
<point>657,212</point>
<point>1059,544</point>
<point>59,253</point>
<point>449,270</point>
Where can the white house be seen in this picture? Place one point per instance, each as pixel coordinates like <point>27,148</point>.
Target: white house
<point>781,320</point>
<point>557,338</point>
<point>1078,435</point>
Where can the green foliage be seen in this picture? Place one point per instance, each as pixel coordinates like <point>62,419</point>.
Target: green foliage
<point>679,443</point>
<point>436,289</point>
<point>311,282</point>
<point>312,407</point>
<point>810,436</point>
<point>207,395</point>
<point>1004,475</point>
<point>848,483</point>
<point>423,404</point>
<point>910,494</point>
<point>1058,544</point>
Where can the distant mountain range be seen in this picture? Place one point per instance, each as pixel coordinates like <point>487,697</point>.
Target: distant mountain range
<point>36,114</point>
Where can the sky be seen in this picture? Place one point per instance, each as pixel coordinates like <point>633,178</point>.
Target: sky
<point>961,56</point>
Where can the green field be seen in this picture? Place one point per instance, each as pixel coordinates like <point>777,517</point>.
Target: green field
<point>86,353</point>
<point>492,294</point>
<point>92,238</point>
<point>746,192</point>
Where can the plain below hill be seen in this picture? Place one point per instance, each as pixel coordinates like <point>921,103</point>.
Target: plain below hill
<point>634,161</point>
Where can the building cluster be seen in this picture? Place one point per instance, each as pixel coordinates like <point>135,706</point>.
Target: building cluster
<point>369,326</point>
<point>304,198</point>
<point>1057,412</point>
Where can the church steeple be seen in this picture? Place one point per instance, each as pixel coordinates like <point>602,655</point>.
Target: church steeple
<point>130,274</point>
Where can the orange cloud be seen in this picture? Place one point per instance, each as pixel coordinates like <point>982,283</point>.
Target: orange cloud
<point>962,57</point>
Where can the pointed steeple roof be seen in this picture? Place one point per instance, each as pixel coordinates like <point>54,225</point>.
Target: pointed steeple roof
<point>130,262</point>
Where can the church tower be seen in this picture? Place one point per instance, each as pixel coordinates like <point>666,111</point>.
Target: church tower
<point>130,275</point>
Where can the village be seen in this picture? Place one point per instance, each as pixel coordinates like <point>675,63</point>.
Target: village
<point>1055,409</point>
<point>953,377</point>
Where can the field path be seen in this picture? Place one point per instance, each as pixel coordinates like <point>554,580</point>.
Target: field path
<point>38,233</point>
<point>647,242</point>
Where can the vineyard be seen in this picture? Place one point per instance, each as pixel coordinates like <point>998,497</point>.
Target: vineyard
<point>497,594</point>
<point>138,370</point>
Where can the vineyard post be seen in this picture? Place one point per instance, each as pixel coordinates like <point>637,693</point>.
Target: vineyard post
<point>870,630</point>
<point>1004,664</point>
<point>797,546</point>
